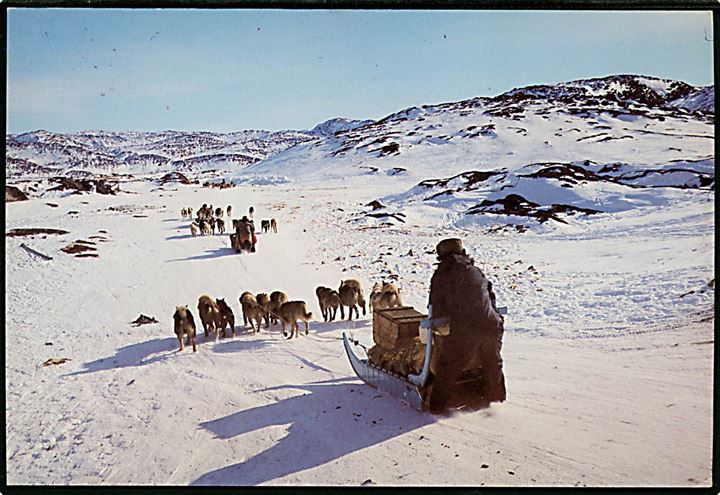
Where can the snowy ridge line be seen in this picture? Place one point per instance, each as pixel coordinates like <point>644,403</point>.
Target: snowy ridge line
<point>625,98</point>
<point>527,126</point>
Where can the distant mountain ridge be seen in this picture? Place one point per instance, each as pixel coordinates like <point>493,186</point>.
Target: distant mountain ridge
<point>624,96</point>
<point>133,152</point>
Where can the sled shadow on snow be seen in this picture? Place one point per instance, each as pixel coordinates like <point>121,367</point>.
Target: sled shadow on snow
<point>328,421</point>
<point>241,345</point>
<point>209,254</point>
<point>138,354</point>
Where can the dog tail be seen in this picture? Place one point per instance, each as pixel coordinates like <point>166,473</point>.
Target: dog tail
<point>308,316</point>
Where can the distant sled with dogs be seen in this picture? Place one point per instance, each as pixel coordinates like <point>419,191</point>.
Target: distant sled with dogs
<point>244,238</point>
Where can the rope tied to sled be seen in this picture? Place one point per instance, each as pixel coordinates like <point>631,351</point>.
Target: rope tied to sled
<point>355,341</point>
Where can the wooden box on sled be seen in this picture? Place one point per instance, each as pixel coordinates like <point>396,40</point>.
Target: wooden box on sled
<point>394,328</point>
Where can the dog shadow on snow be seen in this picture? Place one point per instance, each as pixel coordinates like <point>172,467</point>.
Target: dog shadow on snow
<point>138,354</point>
<point>157,350</point>
<point>179,236</point>
<point>209,254</point>
<point>328,421</point>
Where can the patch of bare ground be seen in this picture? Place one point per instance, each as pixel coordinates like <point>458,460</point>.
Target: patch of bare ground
<point>34,231</point>
<point>12,193</point>
<point>75,247</point>
<point>514,204</point>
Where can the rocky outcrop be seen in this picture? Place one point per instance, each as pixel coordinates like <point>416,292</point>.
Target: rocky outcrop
<point>12,193</point>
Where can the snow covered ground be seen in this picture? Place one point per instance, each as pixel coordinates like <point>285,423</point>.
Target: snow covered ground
<point>589,205</point>
<point>608,347</point>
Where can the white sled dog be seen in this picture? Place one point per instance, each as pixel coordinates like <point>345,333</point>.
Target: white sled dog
<point>385,296</point>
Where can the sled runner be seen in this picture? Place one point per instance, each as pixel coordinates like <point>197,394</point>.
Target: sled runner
<point>411,390</point>
<point>415,389</point>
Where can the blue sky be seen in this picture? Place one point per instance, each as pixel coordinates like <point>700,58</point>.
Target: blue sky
<point>224,70</point>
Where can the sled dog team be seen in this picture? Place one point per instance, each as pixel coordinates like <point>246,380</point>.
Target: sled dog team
<point>216,316</point>
<point>209,220</point>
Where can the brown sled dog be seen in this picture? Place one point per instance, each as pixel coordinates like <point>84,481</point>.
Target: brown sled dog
<point>227,317</point>
<point>209,314</point>
<point>277,299</point>
<point>290,313</point>
<point>352,295</point>
<point>329,301</point>
<point>184,325</point>
<point>263,300</point>
<point>246,298</point>
<point>255,312</point>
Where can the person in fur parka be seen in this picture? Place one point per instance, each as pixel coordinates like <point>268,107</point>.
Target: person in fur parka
<point>460,292</point>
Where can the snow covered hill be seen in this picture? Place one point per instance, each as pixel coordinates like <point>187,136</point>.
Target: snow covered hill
<point>631,119</point>
<point>137,152</point>
<point>580,147</point>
